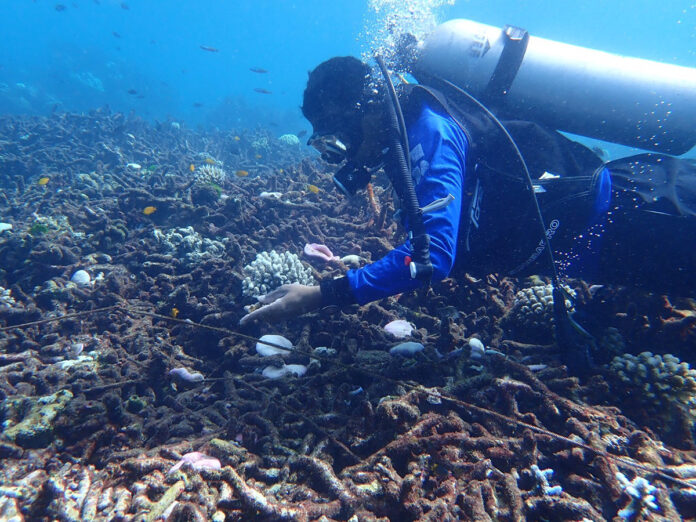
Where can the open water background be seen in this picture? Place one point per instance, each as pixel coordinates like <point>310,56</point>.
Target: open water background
<point>92,53</point>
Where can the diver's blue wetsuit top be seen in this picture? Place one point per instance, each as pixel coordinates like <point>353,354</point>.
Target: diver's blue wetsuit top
<point>438,159</point>
<point>439,149</point>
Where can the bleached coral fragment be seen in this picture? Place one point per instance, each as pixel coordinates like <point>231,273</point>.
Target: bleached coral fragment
<point>270,270</point>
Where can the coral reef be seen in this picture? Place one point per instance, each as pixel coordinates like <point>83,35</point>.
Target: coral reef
<point>107,387</point>
<point>290,140</point>
<point>642,499</point>
<point>269,270</point>
<point>187,244</point>
<point>6,298</point>
<point>660,385</point>
<point>210,175</point>
<point>29,423</point>
<point>531,314</point>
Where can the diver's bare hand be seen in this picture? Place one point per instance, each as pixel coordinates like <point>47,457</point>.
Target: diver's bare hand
<point>285,302</point>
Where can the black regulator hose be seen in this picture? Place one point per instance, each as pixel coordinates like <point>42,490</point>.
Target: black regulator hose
<point>422,268</point>
<point>577,340</point>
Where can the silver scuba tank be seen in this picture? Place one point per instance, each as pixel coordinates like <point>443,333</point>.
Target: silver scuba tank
<point>630,101</point>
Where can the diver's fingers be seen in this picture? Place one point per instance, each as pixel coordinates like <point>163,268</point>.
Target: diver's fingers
<point>276,294</point>
<point>265,313</point>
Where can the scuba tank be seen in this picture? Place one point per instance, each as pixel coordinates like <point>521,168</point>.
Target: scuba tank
<point>630,101</point>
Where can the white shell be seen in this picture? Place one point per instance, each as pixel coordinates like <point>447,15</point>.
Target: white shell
<point>265,350</point>
<point>399,328</point>
<point>76,349</point>
<point>477,348</point>
<point>298,369</point>
<point>408,349</point>
<point>81,278</point>
<point>273,372</point>
<point>271,195</point>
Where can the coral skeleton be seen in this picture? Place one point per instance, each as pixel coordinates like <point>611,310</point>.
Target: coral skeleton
<point>542,477</point>
<point>642,498</point>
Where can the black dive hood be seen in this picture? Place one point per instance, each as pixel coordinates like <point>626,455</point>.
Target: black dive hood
<point>630,101</point>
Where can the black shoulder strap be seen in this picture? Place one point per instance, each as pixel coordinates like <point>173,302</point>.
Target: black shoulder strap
<point>514,48</point>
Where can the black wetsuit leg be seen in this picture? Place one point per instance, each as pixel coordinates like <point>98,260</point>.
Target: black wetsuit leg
<point>649,237</point>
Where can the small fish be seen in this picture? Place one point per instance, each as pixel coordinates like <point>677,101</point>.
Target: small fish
<point>116,35</point>
<point>60,7</point>
<point>132,92</point>
<point>210,161</point>
<point>258,156</point>
<point>210,49</point>
<point>149,210</point>
<point>241,173</point>
<point>262,91</point>
<point>43,181</point>
<point>301,134</point>
<point>133,166</point>
<point>192,167</point>
<point>258,70</point>
<point>152,168</point>
<point>198,105</point>
<point>174,312</point>
<point>124,6</point>
<point>237,138</point>
<point>313,189</point>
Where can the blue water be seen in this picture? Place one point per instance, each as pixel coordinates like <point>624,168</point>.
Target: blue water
<point>92,53</point>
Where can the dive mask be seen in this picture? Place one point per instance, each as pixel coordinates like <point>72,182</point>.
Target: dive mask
<point>332,149</point>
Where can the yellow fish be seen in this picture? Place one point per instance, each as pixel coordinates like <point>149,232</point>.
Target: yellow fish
<point>237,138</point>
<point>210,161</point>
<point>241,173</point>
<point>313,189</point>
<point>192,167</point>
<point>258,156</point>
<point>44,180</point>
<point>175,312</point>
<point>149,210</point>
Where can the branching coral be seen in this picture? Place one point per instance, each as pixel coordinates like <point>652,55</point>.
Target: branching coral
<point>270,270</point>
<point>642,499</point>
<point>657,381</point>
<point>210,175</point>
<point>188,244</point>
<point>531,315</point>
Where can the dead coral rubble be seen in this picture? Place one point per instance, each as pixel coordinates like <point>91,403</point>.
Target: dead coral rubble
<point>363,435</point>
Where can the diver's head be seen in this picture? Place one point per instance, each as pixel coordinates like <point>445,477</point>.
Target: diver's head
<point>334,99</point>
<point>345,111</point>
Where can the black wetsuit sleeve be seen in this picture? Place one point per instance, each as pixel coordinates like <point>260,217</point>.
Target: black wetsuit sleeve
<point>336,292</point>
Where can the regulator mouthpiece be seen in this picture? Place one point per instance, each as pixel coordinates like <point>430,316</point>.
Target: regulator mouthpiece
<point>350,178</point>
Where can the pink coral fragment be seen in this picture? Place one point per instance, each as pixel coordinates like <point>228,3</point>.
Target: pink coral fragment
<point>198,461</point>
<point>320,252</point>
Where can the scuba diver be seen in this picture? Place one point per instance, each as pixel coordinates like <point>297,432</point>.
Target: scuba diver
<point>480,195</point>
